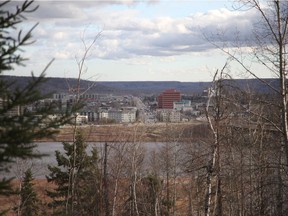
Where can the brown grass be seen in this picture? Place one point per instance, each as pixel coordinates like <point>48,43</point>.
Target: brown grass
<point>110,133</point>
<point>10,202</point>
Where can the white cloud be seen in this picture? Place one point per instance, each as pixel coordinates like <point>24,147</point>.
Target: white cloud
<point>129,34</point>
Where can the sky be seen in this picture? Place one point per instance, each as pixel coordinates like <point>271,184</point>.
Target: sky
<point>147,40</point>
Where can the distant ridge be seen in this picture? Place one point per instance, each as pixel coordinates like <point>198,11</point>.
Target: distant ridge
<point>60,85</point>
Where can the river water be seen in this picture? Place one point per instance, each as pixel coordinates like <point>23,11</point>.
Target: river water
<point>39,166</point>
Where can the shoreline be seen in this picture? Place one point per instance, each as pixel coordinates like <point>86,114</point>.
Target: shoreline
<point>125,133</point>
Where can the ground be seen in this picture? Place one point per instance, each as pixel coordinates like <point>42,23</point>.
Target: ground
<point>110,133</point>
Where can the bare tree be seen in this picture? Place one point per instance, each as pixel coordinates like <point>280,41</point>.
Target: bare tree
<point>267,49</point>
<point>117,163</point>
<point>82,68</point>
<point>215,113</point>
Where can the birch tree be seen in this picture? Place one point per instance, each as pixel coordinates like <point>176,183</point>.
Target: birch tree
<point>196,154</point>
<point>268,50</point>
<point>117,163</point>
<point>76,91</point>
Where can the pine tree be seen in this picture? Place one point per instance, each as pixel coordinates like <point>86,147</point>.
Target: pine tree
<point>18,127</point>
<point>29,205</point>
<point>150,195</point>
<point>87,184</point>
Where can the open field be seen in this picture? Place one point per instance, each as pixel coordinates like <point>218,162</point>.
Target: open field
<point>112,133</point>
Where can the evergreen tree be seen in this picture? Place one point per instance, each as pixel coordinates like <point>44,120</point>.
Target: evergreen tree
<point>18,127</point>
<point>29,205</point>
<point>149,198</point>
<point>87,180</point>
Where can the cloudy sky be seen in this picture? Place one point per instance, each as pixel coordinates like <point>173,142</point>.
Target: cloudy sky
<point>137,40</point>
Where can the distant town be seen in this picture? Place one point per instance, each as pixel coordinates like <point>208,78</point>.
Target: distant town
<point>169,106</point>
<point>129,102</point>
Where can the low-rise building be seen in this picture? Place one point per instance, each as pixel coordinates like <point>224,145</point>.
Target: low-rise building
<point>184,105</point>
<point>115,114</point>
<point>91,115</point>
<point>103,114</point>
<point>81,119</point>
<point>122,115</point>
<point>14,111</point>
<point>129,115</point>
<point>168,115</point>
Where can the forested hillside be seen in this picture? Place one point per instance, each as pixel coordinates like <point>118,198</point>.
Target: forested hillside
<point>141,87</point>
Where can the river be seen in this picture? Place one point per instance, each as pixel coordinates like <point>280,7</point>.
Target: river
<point>39,166</point>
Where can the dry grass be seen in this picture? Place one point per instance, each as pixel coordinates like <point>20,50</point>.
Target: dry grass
<point>110,133</point>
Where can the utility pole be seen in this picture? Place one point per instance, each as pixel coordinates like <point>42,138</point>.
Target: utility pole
<point>105,180</point>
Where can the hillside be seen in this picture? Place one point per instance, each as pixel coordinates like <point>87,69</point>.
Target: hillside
<point>138,87</point>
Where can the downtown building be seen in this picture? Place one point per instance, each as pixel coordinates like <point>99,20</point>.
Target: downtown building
<point>166,101</point>
<point>167,98</point>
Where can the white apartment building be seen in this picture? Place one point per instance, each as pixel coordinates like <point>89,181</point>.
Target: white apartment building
<point>103,114</point>
<point>129,116</point>
<point>115,115</point>
<point>168,115</point>
<point>81,119</point>
<point>91,115</point>
<point>124,115</point>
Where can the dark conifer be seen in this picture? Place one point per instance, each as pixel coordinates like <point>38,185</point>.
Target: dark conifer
<point>87,180</point>
<point>29,202</point>
<point>19,127</point>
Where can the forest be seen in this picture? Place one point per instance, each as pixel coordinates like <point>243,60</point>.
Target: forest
<point>233,164</point>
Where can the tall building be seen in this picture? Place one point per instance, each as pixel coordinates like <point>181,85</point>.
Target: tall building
<point>167,98</point>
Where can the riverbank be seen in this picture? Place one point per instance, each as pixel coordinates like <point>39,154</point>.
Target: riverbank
<point>127,133</point>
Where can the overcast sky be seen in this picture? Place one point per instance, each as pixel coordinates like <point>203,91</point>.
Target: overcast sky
<point>147,40</point>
